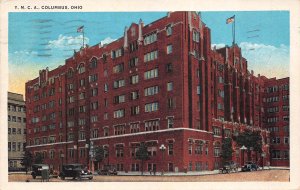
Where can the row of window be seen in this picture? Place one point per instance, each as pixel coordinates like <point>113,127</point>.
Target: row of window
<point>16,108</point>
<point>277,154</point>
<point>276,140</point>
<point>16,119</point>
<point>15,146</point>
<point>276,88</point>
<point>276,119</point>
<point>16,131</point>
<point>276,99</point>
<point>276,109</point>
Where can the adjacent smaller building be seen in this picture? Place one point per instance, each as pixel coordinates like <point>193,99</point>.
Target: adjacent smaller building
<point>16,130</point>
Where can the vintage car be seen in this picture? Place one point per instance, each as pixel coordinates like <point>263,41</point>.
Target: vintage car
<point>228,167</point>
<point>37,169</point>
<point>108,170</point>
<point>75,171</point>
<point>250,166</point>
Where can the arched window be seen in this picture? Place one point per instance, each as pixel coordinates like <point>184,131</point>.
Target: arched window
<point>217,149</point>
<point>81,68</point>
<point>94,63</point>
<point>70,73</point>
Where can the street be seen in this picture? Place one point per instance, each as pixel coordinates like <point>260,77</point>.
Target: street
<point>265,175</point>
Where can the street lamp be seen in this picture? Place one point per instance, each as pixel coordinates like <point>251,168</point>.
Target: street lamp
<point>162,148</point>
<point>263,155</point>
<point>243,148</point>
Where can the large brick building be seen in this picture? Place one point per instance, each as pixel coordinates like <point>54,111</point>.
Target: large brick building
<point>161,84</point>
<point>16,130</point>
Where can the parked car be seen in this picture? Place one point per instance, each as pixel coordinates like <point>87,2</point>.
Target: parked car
<point>250,166</point>
<point>108,170</point>
<point>37,169</point>
<point>75,171</point>
<point>228,167</point>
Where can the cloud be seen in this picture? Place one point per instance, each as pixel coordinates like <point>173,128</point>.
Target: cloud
<point>107,40</point>
<point>67,42</point>
<point>267,60</point>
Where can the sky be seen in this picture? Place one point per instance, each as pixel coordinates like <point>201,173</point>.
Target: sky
<point>40,40</point>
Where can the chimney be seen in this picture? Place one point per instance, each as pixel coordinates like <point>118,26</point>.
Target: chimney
<point>125,38</point>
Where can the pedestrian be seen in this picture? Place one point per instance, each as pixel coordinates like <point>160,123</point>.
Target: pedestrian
<point>150,171</point>
<point>154,171</point>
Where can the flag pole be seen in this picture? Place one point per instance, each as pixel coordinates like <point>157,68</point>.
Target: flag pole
<point>82,37</point>
<point>233,29</point>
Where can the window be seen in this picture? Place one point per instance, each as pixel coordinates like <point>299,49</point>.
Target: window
<point>286,140</point>
<point>94,91</point>
<point>133,62</point>
<point>171,103</point>
<point>227,133</point>
<point>81,121</point>
<point>9,130</point>
<point>105,116</point>
<point>9,146</point>
<point>119,150</point>
<point>276,140</point>
<point>95,133</point>
<point>94,119</point>
<point>71,99</point>
<point>52,139</point>
<point>134,127</point>
<point>170,148</point>
<point>105,102</point>
<point>70,136</point>
<point>286,154</point>
<point>152,125</point>
<point>106,131</point>
<point>119,99</point>
<point>19,131</point>
<point>286,118</point>
<point>191,166</point>
<point>196,36</point>
<point>82,152</point>
<point>105,87</point>
<point>14,144</point>
<point>9,118</point>
<point>198,147</point>
<point>198,90</point>
<point>133,46</point>
<point>169,49</point>
<point>169,30</point>
<point>117,53</point>
<point>93,63</point>
<point>285,108</point>
<point>150,56</point>
<point>217,131</point>
<point>93,78</point>
<point>221,80</point>
<point>119,113</point>
<point>151,107</point>
<point>81,96</point>
<point>81,82</point>
<point>169,68</point>
<point>135,110</point>
<point>285,98</point>
<point>119,83</point>
<point>134,95</point>
<point>94,105</point>
<point>169,86</point>
<point>81,135</point>
<point>150,38</point>
<point>170,121</point>
<point>81,69</point>
<point>135,167</point>
<point>134,79</point>
<point>190,147</point>
<point>275,154</point>
<point>70,124</point>
<point>151,91</point>
<point>151,74</point>
<point>119,130</point>
<point>51,91</point>
<point>217,151</point>
<point>118,68</point>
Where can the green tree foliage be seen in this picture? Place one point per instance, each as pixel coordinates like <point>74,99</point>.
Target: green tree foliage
<point>99,154</point>
<point>38,159</point>
<point>27,160</point>
<point>227,150</point>
<point>250,139</point>
<point>142,154</point>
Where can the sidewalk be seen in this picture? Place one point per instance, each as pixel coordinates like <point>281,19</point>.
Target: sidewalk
<point>191,173</point>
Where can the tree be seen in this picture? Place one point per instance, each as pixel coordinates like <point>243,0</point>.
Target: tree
<point>250,139</point>
<point>99,154</point>
<point>227,149</point>
<point>142,154</point>
<point>27,160</point>
<point>38,159</point>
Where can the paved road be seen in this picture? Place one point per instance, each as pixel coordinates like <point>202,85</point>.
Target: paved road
<point>265,175</point>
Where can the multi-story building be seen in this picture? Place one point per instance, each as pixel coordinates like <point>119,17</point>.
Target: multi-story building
<point>16,130</point>
<point>276,104</point>
<point>159,84</point>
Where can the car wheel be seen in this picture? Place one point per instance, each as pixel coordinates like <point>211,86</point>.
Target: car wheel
<point>33,176</point>
<point>62,177</point>
<point>90,178</point>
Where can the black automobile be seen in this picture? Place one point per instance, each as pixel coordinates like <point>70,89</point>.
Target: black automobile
<point>108,170</point>
<point>37,169</point>
<point>75,171</point>
<point>250,166</point>
<point>229,166</point>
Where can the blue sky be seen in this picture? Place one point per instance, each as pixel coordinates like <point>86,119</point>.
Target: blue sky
<point>38,40</point>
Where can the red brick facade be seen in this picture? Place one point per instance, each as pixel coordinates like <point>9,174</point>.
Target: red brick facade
<point>160,84</point>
